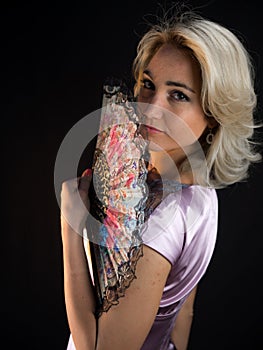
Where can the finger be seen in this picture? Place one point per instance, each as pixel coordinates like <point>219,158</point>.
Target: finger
<point>70,186</point>
<point>84,180</point>
<point>87,172</point>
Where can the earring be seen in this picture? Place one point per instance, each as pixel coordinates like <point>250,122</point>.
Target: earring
<point>210,137</point>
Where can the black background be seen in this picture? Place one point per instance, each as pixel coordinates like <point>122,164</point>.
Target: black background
<point>54,60</point>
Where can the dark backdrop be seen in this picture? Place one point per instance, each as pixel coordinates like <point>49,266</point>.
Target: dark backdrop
<point>54,60</point>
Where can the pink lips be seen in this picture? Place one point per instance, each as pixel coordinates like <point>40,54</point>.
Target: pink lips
<point>152,130</point>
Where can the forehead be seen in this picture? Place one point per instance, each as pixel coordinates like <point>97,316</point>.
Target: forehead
<point>170,61</point>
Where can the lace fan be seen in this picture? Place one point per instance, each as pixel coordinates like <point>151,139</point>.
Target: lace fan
<point>118,196</point>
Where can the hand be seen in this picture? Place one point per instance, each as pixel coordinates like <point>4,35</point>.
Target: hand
<point>75,202</point>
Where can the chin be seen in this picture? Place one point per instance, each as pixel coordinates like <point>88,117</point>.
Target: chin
<point>152,146</point>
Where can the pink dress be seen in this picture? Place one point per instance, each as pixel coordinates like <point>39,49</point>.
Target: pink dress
<point>183,228</point>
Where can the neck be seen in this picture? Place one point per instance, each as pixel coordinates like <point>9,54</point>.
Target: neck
<point>168,166</point>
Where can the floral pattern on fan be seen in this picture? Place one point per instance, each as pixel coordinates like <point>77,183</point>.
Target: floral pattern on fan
<point>119,196</point>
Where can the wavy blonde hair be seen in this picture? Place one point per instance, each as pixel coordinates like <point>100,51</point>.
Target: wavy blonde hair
<point>227,92</point>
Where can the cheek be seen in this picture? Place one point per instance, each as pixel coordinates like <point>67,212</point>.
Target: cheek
<point>186,131</point>
<point>141,104</point>
<point>144,94</point>
<point>199,125</point>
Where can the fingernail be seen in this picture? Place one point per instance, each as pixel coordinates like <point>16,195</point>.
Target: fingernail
<point>87,172</point>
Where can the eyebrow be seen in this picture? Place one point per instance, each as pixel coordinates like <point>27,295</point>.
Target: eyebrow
<point>172,83</point>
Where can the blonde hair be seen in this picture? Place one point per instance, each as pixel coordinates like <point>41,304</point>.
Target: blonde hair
<point>227,92</point>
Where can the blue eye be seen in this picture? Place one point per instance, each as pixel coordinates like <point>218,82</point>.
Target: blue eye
<point>179,96</point>
<point>147,84</point>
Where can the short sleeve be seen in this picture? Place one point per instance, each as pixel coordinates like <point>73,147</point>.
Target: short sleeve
<point>182,218</point>
<point>164,229</point>
<point>183,228</point>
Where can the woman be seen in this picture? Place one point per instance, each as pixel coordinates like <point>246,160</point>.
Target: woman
<point>194,89</point>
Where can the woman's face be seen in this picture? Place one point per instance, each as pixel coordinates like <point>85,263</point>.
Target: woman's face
<point>169,100</point>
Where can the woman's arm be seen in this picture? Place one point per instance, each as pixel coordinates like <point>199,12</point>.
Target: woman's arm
<point>124,326</point>
<point>182,327</point>
<point>78,290</point>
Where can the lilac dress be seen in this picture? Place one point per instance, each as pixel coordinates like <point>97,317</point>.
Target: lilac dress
<point>183,228</point>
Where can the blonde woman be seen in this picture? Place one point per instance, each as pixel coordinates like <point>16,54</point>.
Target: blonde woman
<point>194,89</point>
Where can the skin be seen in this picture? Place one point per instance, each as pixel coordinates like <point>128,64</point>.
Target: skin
<point>163,106</point>
<point>182,328</point>
<point>169,100</point>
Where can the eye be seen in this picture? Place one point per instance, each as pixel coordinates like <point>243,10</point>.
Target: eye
<point>147,84</point>
<point>179,96</point>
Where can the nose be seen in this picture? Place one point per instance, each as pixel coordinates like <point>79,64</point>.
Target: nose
<point>153,109</point>
<point>153,112</point>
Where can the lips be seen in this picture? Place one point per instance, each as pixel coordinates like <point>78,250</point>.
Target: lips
<point>152,130</point>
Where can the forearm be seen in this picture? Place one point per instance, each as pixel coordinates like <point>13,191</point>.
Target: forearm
<point>78,289</point>
<point>181,332</point>
<point>183,324</point>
